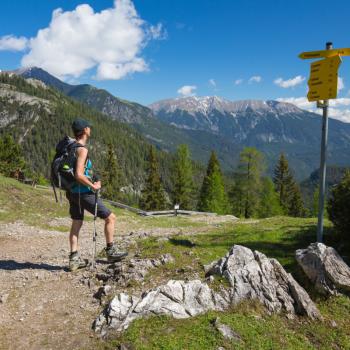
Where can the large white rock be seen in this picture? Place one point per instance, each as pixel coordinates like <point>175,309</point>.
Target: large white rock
<point>178,299</point>
<point>325,268</point>
<point>254,276</point>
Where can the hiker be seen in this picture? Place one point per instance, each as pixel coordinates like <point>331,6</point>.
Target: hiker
<point>82,197</point>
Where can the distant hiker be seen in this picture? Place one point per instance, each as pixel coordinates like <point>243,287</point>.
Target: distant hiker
<point>81,196</point>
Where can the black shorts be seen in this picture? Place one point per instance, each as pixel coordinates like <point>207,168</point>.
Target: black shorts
<point>87,202</point>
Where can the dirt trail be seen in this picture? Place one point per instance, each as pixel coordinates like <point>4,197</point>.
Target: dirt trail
<point>45,306</point>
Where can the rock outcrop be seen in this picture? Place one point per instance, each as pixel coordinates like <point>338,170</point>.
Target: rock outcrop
<point>134,269</point>
<point>178,299</point>
<point>325,268</point>
<point>254,276</point>
<point>251,276</point>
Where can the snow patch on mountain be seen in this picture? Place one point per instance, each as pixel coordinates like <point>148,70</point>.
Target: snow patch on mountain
<point>207,104</point>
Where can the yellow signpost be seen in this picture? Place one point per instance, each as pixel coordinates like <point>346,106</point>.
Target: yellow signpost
<point>324,53</point>
<point>323,81</point>
<point>323,86</point>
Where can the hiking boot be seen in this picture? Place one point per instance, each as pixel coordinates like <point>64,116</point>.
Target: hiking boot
<point>114,255</point>
<point>76,262</point>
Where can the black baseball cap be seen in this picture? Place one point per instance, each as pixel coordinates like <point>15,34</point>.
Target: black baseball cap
<point>80,124</point>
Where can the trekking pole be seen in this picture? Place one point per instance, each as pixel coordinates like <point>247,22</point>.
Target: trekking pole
<point>95,231</point>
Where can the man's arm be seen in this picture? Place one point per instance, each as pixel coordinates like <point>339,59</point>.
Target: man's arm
<point>80,168</point>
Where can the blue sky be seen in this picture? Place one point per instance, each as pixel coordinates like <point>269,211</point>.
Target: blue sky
<point>207,45</point>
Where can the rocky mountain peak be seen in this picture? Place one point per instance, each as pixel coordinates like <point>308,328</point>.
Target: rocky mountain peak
<point>207,104</point>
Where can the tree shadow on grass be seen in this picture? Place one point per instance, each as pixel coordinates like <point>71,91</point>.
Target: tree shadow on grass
<point>282,248</point>
<point>12,265</point>
<point>183,242</point>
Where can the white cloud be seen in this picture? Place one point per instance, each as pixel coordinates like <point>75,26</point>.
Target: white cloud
<point>341,84</point>
<point>13,43</point>
<point>336,108</point>
<point>238,81</point>
<point>187,90</point>
<point>289,82</point>
<point>79,40</point>
<point>340,114</point>
<point>301,102</point>
<point>255,79</point>
<point>212,82</point>
<point>342,101</point>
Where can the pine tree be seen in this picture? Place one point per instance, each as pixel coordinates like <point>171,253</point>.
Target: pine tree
<point>315,200</point>
<point>288,190</point>
<point>296,205</point>
<point>182,178</point>
<point>284,182</point>
<point>250,169</point>
<point>152,195</point>
<point>236,196</point>
<point>12,163</point>
<point>111,175</point>
<point>269,202</point>
<point>213,197</point>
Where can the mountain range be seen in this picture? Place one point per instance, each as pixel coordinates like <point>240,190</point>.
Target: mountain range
<point>213,123</point>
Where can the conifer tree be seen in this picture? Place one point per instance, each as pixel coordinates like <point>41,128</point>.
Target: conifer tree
<point>182,178</point>
<point>269,202</point>
<point>111,175</point>
<point>288,190</point>
<point>152,195</point>
<point>213,197</point>
<point>250,169</point>
<point>315,200</point>
<point>284,182</point>
<point>236,196</point>
<point>296,205</point>
<point>12,163</point>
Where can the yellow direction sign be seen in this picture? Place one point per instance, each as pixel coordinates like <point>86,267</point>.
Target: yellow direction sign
<point>323,82</point>
<point>325,53</point>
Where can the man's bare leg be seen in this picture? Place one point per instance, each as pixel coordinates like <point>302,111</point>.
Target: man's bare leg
<point>74,234</point>
<point>75,262</point>
<point>109,228</point>
<point>113,254</point>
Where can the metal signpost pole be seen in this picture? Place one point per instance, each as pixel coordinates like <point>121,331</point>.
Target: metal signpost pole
<point>324,141</point>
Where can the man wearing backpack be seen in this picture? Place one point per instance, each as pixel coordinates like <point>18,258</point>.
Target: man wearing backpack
<point>82,197</point>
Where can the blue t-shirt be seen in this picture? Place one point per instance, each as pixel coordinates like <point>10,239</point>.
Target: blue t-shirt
<point>80,188</point>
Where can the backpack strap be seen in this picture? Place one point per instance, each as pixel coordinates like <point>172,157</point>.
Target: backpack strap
<point>77,145</point>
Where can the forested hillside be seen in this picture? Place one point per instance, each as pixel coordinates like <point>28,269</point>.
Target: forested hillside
<point>38,117</point>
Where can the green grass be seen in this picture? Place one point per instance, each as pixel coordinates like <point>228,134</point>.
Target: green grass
<point>277,237</point>
<point>19,202</point>
<point>37,206</point>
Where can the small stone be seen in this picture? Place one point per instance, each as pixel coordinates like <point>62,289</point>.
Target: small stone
<point>3,298</point>
<point>334,324</point>
<point>226,331</point>
<point>107,289</point>
<point>211,279</point>
<point>166,259</point>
